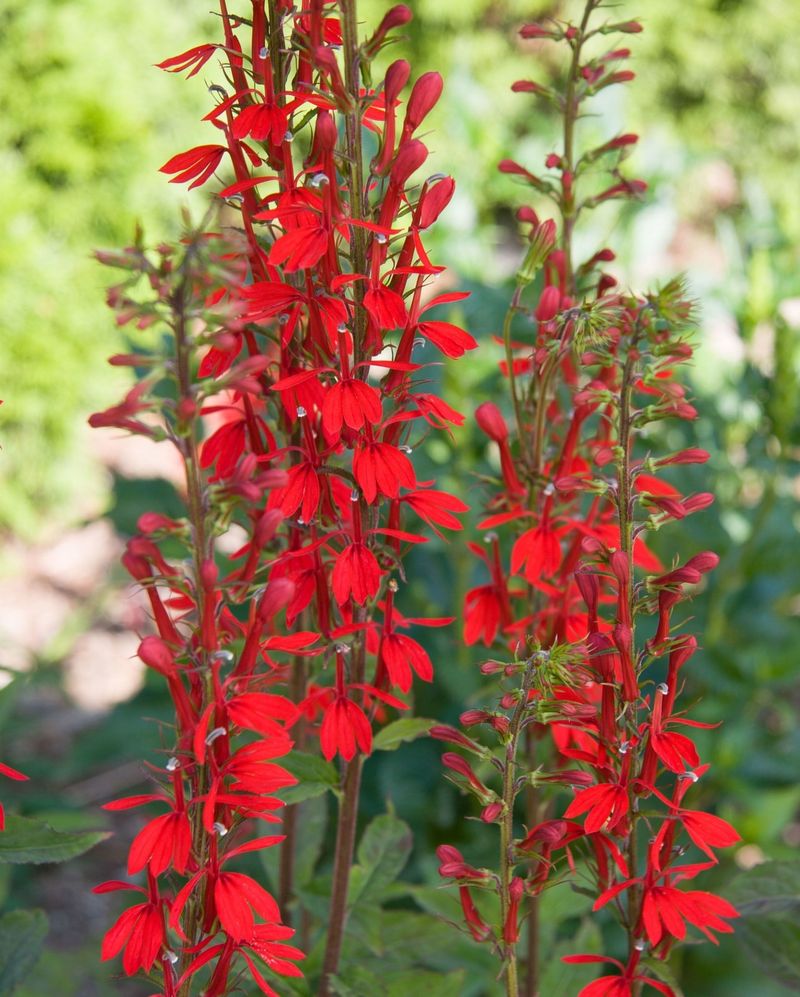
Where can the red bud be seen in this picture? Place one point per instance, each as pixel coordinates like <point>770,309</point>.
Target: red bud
<point>491,422</point>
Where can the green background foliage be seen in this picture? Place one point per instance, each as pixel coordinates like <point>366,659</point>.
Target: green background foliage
<point>85,122</point>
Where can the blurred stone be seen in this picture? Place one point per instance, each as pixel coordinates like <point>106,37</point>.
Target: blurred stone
<point>32,613</point>
<point>80,559</point>
<point>102,669</point>
<point>136,456</point>
<point>789,310</point>
<point>749,856</point>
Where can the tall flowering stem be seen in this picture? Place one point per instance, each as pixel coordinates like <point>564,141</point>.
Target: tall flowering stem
<point>592,370</point>
<point>302,395</point>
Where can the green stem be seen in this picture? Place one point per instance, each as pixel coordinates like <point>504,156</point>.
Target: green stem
<point>351,772</point>
<point>507,825</point>
<point>512,380</point>
<point>202,550</point>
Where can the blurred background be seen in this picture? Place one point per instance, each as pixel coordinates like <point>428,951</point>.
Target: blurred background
<point>85,122</point>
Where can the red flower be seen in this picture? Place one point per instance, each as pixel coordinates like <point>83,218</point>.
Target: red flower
<point>262,122</point>
<point>538,552</point>
<point>195,164</point>
<point>400,654</point>
<point>302,491</point>
<point>164,842</point>
<point>356,573</point>
<point>344,726</point>
<point>195,58</point>
<point>386,308</point>
<point>436,507</point>
<point>666,908</point>
<point>121,416</point>
<point>352,403</point>
<point>10,773</point>
<point>616,986</point>
<point>300,248</point>
<point>382,468</point>
<point>482,614</point>
<point>451,340</point>
<point>140,930</point>
<point>237,897</point>
<point>605,803</point>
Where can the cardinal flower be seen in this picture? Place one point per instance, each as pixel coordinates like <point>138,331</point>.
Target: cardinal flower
<point>345,726</point>
<point>400,654</point>
<point>140,930</point>
<point>537,552</point>
<point>381,468</point>
<point>356,573</point>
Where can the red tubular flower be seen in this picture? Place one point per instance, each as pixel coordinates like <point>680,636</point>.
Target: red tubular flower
<point>195,164</point>
<point>357,574</point>
<point>401,654</point>
<point>666,909</point>
<point>139,932</point>
<point>536,553</point>
<point>604,804</point>
<point>382,468</point>
<point>344,727</point>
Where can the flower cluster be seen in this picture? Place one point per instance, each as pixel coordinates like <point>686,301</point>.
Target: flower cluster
<point>295,395</point>
<point>589,727</point>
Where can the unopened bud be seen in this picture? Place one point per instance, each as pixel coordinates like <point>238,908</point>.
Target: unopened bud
<point>490,420</point>
<point>542,241</point>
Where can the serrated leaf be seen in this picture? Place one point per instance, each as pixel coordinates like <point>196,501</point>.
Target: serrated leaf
<point>382,854</point>
<point>773,887</point>
<point>768,900</point>
<point>32,842</point>
<point>315,775</point>
<point>404,729</point>
<point>562,979</point>
<point>22,934</point>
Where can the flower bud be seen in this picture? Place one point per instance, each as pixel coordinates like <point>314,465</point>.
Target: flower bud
<point>491,812</point>
<point>490,420</point>
<point>424,95</point>
<point>535,31</point>
<point>396,78</point>
<point>549,304</point>
<point>434,200</point>
<point>156,654</point>
<point>277,595</point>
<point>410,157</point>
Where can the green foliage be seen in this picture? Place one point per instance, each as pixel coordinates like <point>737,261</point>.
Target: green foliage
<point>84,124</point>
<point>26,841</point>
<point>315,776</point>
<point>768,899</point>
<point>382,854</point>
<point>390,737</point>
<point>22,934</point>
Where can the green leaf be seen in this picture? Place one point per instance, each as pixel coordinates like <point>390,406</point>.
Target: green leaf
<point>382,855</point>
<point>662,971</point>
<point>30,841</point>
<point>312,819</point>
<point>22,934</point>
<point>312,824</point>
<point>404,729</point>
<point>361,982</point>
<point>564,979</point>
<point>315,775</point>
<point>768,900</point>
